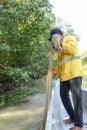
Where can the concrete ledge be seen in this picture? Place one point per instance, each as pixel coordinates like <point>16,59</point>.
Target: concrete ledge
<point>84,96</point>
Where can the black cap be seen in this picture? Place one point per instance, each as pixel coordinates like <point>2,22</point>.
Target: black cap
<point>55,31</point>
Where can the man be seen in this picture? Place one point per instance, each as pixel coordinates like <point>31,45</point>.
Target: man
<point>70,72</point>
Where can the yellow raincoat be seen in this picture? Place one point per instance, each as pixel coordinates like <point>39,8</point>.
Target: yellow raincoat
<point>69,62</point>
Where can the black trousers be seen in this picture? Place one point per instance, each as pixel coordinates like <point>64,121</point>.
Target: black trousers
<point>76,112</point>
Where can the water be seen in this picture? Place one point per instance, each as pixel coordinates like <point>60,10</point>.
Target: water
<point>23,116</point>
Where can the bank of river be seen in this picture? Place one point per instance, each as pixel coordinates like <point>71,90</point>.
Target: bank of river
<point>25,116</point>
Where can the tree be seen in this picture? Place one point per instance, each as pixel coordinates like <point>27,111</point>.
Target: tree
<point>3,1</point>
<point>66,27</point>
<point>24,29</point>
<point>84,57</point>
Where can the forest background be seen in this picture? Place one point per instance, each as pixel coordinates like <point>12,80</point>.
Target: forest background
<point>24,48</point>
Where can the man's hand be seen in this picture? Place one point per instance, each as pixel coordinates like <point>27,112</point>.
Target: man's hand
<point>54,76</point>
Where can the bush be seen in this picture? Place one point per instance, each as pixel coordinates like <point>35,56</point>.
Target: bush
<point>17,96</point>
<point>11,78</point>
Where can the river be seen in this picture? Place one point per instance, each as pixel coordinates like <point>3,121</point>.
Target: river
<point>24,116</point>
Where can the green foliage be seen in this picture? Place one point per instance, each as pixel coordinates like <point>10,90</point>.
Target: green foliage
<point>84,63</point>
<point>18,76</point>
<point>13,77</point>
<point>24,48</point>
<point>84,57</point>
<point>17,96</point>
<point>2,100</point>
<point>24,29</point>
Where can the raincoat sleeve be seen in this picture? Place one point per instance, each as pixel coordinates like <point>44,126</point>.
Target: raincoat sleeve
<point>56,70</point>
<point>69,45</point>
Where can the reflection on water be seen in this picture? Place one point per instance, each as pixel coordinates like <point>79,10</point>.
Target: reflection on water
<point>22,117</point>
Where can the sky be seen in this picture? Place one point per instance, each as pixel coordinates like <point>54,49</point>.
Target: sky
<point>75,12</point>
